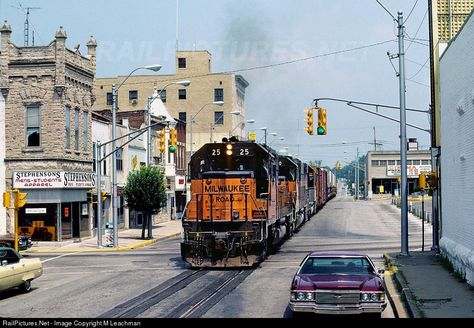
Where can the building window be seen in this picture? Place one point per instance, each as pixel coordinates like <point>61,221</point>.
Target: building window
<point>133,96</point>
<point>119,162</point>
<point>68,127</point>
<point>109,99</point>
<point>182,116</point>
<point>32,126</point>
<point>85,116</point>
<point>162,94</point>
<point>181,62</point>
<point>391,162</point>
<point>76,130</point>
<point>382,162</point>
<point>218,94</point>
<point>425,162</point>
<point>218,117</point>
<point>182,94</point>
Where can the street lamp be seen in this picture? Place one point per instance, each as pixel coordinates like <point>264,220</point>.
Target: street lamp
<point>218,103</point>
<point>154,68</point>
<point>183,83</point>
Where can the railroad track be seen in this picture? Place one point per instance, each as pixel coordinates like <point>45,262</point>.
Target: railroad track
<point>196,304</point>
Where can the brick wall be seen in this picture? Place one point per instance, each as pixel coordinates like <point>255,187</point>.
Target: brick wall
<point>457,151</point>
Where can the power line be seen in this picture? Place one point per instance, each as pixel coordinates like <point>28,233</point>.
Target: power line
<point>418,72</point>
<point>418,30</point>
<point>273,65</point>
<point>411,11</point>
<point>386,9</point>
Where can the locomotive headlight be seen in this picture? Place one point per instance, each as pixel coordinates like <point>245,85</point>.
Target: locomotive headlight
<point>229,147</point>
<point>208,181</point>
<point>243,180</point>
<point>229,152</point>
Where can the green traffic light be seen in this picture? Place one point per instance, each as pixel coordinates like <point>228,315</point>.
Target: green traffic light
<point>172,149</point>
<point>320,130</point>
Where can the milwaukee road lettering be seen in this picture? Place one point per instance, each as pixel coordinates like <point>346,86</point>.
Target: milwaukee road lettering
<point>227,188</point>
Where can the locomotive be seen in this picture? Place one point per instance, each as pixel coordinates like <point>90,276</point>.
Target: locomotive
<point>246,199</point>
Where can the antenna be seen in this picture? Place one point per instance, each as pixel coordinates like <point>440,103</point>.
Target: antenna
<point>26,31</point>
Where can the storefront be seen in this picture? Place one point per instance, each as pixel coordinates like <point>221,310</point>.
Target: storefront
<point>57,207</point>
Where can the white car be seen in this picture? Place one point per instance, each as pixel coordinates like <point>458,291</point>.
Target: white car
<point>16,271</point>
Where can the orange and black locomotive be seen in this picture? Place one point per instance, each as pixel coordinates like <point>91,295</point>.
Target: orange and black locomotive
<point>245,199</point>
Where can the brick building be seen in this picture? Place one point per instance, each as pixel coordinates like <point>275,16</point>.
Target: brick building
<point>46,111</point>
<point>206,87</point>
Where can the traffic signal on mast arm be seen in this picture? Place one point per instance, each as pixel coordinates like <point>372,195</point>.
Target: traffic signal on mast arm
<point>321,122</point>
<point>103,196</point>
<point>173,140</point>
<point>161,134</point>
<point>422,181</point>
<point>20,200</point>
<point>309,120</point>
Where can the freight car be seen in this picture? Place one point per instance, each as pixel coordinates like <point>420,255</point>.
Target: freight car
<point>245,199</point>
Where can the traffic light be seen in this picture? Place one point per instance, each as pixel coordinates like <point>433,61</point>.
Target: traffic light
<point>103,195</point>
<point>173,140</point>
<point>6,199</point>
<point>20,200</point>
<point>90,196</point>
<point>309,120</point>
<point>432,179</point>
<point>321,122</point>
<point>161,133</point>
<point>422,181</point>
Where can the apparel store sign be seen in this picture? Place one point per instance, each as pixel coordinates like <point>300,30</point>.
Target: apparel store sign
<point>412,170</point>
<point>53,180</point>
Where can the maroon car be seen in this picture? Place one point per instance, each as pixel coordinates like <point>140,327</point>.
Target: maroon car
<point>337,283</point>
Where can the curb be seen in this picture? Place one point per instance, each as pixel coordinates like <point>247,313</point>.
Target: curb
<point>105,249</point>
<point>406,293</point>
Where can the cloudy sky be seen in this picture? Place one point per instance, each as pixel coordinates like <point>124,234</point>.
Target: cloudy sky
<point>243,34</point>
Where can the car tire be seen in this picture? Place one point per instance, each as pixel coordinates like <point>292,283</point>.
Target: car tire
<point>26,286</point>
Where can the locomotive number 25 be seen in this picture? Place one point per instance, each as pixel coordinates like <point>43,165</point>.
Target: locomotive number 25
<point>244,152</point>
<point>215,152</point>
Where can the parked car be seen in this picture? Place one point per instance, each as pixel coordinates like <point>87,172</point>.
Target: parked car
<point>16,271</point>
<point>337,283</point>
<point>8,240</point>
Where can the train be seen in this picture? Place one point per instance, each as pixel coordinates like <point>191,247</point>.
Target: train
<point>246,199</point>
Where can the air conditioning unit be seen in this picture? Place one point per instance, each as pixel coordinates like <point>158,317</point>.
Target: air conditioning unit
<point>134,102</point>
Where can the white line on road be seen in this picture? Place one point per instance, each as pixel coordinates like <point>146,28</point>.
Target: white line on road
<point>57,257</point>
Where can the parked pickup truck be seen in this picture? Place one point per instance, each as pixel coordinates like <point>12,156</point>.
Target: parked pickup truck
<point>8,240</point>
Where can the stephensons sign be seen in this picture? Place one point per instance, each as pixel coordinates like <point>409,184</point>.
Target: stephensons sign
<point>53,180</point>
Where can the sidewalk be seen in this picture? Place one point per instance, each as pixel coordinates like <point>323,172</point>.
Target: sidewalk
<point>429,289</point>
<point>127,239</point>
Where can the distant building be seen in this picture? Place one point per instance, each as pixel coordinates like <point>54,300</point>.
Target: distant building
<point>383,170</point>
<point>457,158</point>
<point>45,118</point>
<point>213,122</point>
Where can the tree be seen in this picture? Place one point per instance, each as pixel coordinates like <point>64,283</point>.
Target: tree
<point>145,191</point>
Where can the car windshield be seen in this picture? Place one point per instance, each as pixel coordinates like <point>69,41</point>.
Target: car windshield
<point>337,265</point>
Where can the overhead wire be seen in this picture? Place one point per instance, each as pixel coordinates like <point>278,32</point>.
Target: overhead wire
<point>288,62</point>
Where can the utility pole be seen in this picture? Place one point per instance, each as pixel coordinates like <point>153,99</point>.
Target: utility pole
<point>357,175</point>
<point>375,141</point>
<point>403,138</point>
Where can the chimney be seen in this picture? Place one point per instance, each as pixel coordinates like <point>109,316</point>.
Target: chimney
<point>6,31</point>
<point>412,144</point>
<point>61,37</point>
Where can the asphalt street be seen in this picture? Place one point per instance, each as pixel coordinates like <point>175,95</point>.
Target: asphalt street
<point>153,282</point>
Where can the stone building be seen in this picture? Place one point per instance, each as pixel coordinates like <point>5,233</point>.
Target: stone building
<point>48,95</point>
<point>211,121</point>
